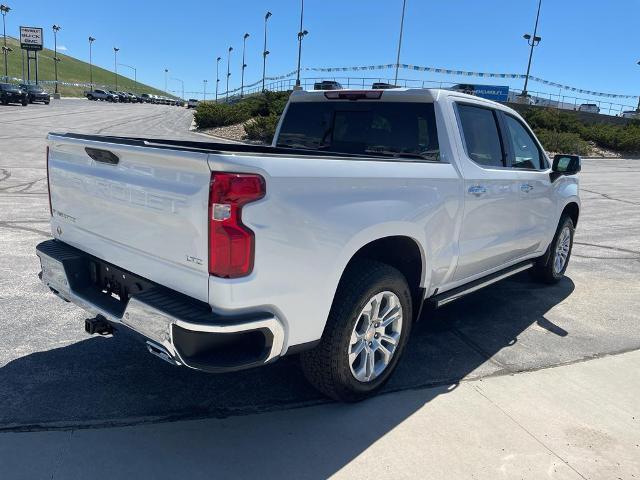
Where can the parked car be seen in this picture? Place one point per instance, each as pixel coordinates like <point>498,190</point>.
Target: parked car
<point>631,114</point>
<point>139,97</point>
<point>99,94</point>
<point>192,103</point>
<point>35,93</point>
<point>327,85</point>
<point>382,86</point>
<point>589,107</point>
<point>10,93</point>
<point>146,98</point>
<point>368,205</point>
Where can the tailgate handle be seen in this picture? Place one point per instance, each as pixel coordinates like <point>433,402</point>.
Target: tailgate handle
<point>102,156</point>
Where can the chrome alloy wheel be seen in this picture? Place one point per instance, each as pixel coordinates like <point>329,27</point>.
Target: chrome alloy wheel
<point>375,336</point>
<point>562,250</point>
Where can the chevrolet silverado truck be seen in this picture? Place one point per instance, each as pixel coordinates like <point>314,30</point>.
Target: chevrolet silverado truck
<point>327,243</point>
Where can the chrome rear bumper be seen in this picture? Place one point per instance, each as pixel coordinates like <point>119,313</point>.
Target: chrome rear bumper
<point>177,328</point>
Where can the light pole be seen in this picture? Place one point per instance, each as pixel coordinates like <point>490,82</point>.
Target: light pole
<point>638,109</point>
<point>532,41</point>
<point>4,9</point>
<point>115,63</point>
<point>244,65</point>
<point>204,92</point>
<point>166,70</point>
<point>91,40</point>
<point>182,82</point>
<point>404,4</point>
<point>217,76</point>
<point>135,75</point>
<point>56,29</point>
<point>265,52</point>
<point>226,94</point>
<point>301,34</point>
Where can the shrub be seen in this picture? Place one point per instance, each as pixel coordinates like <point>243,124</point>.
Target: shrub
<point>562,142</point>
<point>262,128</point>
<point>211,115</point>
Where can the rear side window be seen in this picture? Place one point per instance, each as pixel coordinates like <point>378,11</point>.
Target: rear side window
<point>481,136</point>
<point>385,129</point>
<point>526,153</point>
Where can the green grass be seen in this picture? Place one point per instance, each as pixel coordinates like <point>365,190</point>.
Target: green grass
<point>69,70</point>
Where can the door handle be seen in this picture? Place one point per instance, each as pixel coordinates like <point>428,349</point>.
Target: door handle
<point>477,190</point>
<point>526,188</point>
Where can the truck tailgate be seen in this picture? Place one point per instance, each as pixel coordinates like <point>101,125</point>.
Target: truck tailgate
<point>139,207</point>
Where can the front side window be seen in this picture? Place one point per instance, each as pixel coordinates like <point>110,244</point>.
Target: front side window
<point>481,135</point>
<point>526,153</point>
<point>381,129</point>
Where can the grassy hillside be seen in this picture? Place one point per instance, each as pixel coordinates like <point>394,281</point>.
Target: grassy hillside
<point>70,70</point>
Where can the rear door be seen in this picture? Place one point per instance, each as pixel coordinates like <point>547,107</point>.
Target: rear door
<point>492,219</point>
<point>141,208</point>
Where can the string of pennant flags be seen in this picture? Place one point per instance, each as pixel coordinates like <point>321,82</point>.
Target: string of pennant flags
<point>447,71</point>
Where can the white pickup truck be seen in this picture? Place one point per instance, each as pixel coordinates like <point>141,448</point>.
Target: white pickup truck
<point>368,205</point>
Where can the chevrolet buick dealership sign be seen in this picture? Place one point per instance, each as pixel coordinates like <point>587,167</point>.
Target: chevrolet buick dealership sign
<point>31,38</point>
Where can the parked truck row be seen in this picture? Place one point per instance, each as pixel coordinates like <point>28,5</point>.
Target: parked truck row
<point>369,206</point>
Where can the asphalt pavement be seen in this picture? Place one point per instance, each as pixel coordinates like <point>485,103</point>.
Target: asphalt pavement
<point>55,377</point>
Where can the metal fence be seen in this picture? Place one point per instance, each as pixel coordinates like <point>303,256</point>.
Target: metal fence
<point>546,99</point>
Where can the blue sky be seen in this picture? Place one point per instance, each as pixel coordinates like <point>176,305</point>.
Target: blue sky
<point>586,43</point>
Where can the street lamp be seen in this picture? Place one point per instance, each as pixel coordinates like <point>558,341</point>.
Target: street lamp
<point>532,41</point>
<point>182,82</point>
<point>135,75</point>
<point>638,109</point>
<point>265,52</point>
<point>244,65</point>
<point>217,76</point>
<point>204,92</point>
<point>56,29</point>
<point>226,94</point>
<point>91,40</point>
<point>115,63</point>
<point>166,70</point>
<point>4,9</point>
<point>301,34</point>
<point>404,4</point>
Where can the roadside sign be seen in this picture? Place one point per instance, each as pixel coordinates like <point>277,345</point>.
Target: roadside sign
<point>31,38</point>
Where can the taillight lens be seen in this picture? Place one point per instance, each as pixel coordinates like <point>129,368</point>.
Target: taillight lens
<point>49,184</point>
<point>231,243</point>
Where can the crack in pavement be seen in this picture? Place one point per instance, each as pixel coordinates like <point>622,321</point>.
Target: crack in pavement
<point>5,224</point>
<point>534,437</point>
<point>609,197</point>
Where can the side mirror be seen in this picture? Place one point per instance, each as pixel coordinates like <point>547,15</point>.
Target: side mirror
<point>566,165</point>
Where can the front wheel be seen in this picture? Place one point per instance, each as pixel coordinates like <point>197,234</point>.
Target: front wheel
<point>365,335</point>
<point>551,267</point>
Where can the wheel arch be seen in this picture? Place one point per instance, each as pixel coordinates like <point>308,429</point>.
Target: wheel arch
<point>402,252</point>
<point>572,209</point>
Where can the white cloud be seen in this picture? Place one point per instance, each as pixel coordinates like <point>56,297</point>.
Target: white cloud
<point>62,48</point>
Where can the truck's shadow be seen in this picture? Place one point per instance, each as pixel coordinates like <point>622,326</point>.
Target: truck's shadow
<point>115,381</point>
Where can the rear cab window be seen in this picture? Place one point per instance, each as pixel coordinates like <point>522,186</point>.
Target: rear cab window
<point>402,130</point>
<point>481,135</point>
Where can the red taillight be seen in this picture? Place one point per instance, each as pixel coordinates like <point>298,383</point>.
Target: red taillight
<point>231,243</point>
<point>49,184</point>
<point>353,94</point>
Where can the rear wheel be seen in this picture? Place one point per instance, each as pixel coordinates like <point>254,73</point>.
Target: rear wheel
<point>551,267</point>
<point>365,335</point>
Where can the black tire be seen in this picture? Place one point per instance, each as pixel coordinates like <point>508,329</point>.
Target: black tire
<point>544,270</point>
<point>327,366</point>
<point>46,102</point>
<point>90,97</point>
<point>25,102</point>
